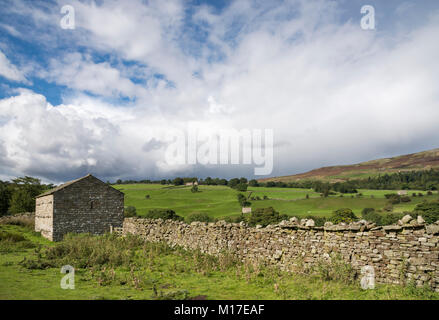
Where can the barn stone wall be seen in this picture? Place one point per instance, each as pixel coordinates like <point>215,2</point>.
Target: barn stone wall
<point>398,253</point>
<point>43,216</point>
<point>86,206</point>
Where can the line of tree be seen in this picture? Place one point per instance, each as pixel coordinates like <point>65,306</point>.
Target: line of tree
<point>409,180</point>
<point>18,195</point>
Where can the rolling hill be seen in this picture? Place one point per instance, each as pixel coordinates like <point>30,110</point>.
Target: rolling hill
<point>416,161</point>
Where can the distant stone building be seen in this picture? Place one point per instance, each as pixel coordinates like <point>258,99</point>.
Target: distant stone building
<point>402,192</point>
<point>84,205</point>
<point>246,209</point>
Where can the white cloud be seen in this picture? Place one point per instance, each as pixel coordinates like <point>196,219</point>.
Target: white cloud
<point>332,92</point>
<point>81,73</point>
<point>9,71</point>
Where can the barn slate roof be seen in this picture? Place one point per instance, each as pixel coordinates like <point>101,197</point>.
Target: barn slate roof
<point>62,186</point>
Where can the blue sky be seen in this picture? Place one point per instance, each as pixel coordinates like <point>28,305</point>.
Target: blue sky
<point>92,99</point>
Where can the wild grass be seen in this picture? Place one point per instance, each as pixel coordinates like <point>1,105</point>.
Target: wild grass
<point>108,267</point>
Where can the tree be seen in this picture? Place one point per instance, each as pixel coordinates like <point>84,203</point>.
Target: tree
<point>241,187</point>
<point>5,198</point>
<point>178,181</point>
<point>233,182</point>
<point>243,202</point>
<point>22,201</point>
<point>23,193</point>
<point>194,188</point>
<point>253,183</point>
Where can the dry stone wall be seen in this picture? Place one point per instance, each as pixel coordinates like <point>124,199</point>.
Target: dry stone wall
<point>398,253</point>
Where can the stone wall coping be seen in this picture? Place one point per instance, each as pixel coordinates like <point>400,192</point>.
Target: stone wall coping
<point>353,227</point>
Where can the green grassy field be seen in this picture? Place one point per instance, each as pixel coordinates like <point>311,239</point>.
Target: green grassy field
<point>221,201</point>
<point>159,272</point>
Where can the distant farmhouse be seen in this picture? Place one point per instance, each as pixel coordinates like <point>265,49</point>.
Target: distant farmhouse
<point>84,205</point>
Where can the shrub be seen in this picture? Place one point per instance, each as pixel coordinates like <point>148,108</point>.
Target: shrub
<point>371,215</point>
<point>343,215</point>
<point>405,199</point>
<point>198,216</point>
<point>147,196</point>
<point>265,216</point>
<point>391,218</point>
<point>265,197</point>
<point>335,269</point>
<point>319,221</point>
<point>194,188</point>
<point>428,210</point>
<point>429,193</point>
<point>236,219</point>
<point>165,214</point>
<point>130,211</point>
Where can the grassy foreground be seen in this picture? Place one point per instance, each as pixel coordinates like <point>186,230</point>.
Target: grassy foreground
<point>107,267</point>
<point>221,201</point>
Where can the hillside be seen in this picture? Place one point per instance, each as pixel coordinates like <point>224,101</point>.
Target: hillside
<point>416,161</point>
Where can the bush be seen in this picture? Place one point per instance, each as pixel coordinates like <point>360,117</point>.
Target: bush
<point>405,199</point>
<point>391,218</point>
<point>265,216</point>
<point>343,215</point>
<point>165,214</point>
<point>371,215</point>
<point>236,219</point>
<point>147,196</point>
<point>130,211</point>
<point>428,210</point>
<point>198,216</point>
<point>194,188</point>
<point>319,221</point>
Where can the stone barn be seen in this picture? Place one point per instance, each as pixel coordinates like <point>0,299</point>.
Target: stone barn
<point>84,205</point>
